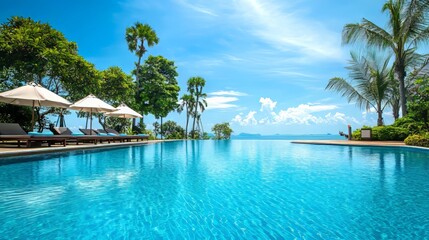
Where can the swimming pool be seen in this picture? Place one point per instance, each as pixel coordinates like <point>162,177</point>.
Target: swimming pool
<point>218,189</point>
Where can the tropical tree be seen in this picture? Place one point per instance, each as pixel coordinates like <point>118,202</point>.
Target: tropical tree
<point>31,51</point>
<point>195,89</point>
<point>171,130</point>
<point>160,90</point>
<point>187,102</point>
<point>419,104</point>
<point>222,131</point>
<point>372,86</point>
<point>408,27</point>
<point>137,36</point>
<point>116,87</point>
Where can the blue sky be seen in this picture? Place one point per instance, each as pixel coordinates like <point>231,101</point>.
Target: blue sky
<point>266,62</point>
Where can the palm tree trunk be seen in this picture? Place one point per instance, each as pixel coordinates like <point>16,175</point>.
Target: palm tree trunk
<point>380,117</point>
<point>380,114</point>
<point>187,123</point>
<point>195,113</point>
<point>400,76</point>
<point>138,81</point>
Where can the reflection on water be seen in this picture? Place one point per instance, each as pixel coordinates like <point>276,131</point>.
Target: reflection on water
<point>239,189</point>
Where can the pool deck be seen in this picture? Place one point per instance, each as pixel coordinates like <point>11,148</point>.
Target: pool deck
<point>354,143</point>
<point>13,150</point>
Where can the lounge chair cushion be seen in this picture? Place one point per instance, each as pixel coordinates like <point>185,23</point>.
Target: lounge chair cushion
<point>112,134</point>
<point>109,130</point>
<point>11,129</point>
<point>40,134</point>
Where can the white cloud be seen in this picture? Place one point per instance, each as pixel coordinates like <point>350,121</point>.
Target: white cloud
<point>247,120</point>
<point>197,8</point>
<point>221,102</point>
<point>283,28</point>
<point>267,104</point>
<point>302,114</point>
<point>228,93</point>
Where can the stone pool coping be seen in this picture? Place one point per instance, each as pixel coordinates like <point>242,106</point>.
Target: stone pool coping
<point>14,151</point>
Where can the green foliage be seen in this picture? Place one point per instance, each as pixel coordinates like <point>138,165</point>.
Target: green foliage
<point>222,131</point>
<point>171,130</point>
<point>16,114</point>
<point>159,88</point>
<point>370,86</point>
<point>32,51</point>
<point>383,133</point>
<point>406,29</point>
<point>121,125</point>
<point>156,128</point>
<point>410,124</point>
<point>116,86</point>
<point>389,133</point>
<point>199,103</point>
<point>205,136</point>
<point>418,107</point>
<point>195,134</point>
<point>137,35</point>
<point>421,140</point>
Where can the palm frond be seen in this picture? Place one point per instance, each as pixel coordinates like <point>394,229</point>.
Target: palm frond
<point>367,32</point>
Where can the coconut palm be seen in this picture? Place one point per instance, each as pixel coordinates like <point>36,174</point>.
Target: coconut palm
<point>136,37</point>
<point>188,103</point>
<point>408,27</point>
<point>370,86</point>
<point>195,88</point>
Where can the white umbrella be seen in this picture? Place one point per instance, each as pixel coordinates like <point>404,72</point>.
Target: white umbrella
<point>123,111</point>
<point>33,95</point>
<point>91,104</point>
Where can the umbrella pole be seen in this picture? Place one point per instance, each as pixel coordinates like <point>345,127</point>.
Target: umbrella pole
<point>32,117</point>
<point>90,122</point>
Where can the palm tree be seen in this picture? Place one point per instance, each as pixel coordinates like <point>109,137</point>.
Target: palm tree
<point>408,27</point>
<point>188,103</point>
<point>136,37</point>
<point>195,88</point>
<point>373,84</point>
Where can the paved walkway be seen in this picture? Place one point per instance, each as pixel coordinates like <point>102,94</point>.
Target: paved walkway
<point>352,143</point>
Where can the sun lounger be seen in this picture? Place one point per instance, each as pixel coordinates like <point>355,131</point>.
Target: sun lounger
<point>14,132</point>
<point>128,138</point>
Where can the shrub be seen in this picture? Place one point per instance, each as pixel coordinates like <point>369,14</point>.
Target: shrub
<point>410,124</point>
<point>356,134</point>
<point>389,133</point>
<point>421,140</point>
<point>383,133</point>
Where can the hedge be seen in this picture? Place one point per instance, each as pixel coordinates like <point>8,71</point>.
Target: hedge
<point>384,133</point>
<point>421,140</point>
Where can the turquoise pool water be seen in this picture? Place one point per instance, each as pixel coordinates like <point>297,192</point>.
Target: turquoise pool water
<point>225,189</point>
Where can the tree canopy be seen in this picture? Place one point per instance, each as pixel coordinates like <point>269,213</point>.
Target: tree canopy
<point>222,131</point>
<point>159,87</point>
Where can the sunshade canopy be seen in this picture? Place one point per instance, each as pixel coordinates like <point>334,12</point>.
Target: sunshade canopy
<point>92,104</point>
<point>33,95</point>
<point>123,111</point>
